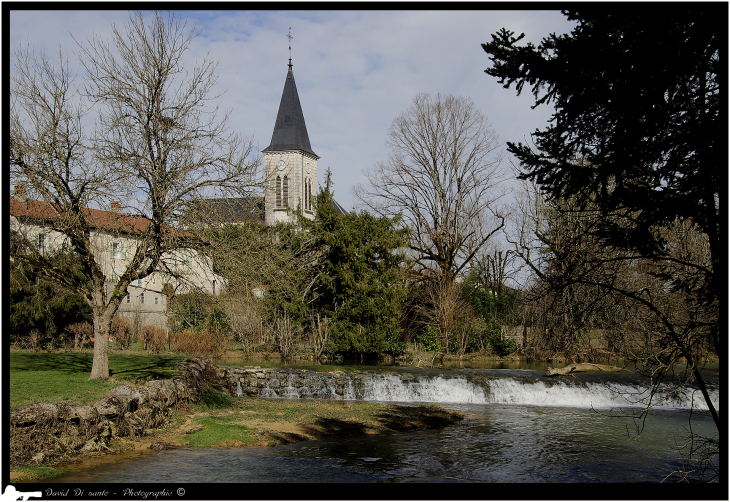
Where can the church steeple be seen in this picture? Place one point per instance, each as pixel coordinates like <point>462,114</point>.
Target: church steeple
<point>289,161</point>
<point>290,130</point>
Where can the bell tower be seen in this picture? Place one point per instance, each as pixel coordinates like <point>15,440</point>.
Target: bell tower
<point>290,163</point>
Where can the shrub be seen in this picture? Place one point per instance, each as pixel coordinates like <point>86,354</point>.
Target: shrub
<point>501,345</point>
<point>154,339</point>
<point>429,340</point>
<point>121,332</point>
<point>82,331</point>
<point>198,342</point>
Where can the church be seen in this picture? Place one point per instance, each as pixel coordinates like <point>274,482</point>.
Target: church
<point>290,169</point>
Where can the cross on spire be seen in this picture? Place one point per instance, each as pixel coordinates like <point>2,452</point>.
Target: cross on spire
<point>290,39</point>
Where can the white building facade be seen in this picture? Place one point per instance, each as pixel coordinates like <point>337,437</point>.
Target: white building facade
<point>146,301</point>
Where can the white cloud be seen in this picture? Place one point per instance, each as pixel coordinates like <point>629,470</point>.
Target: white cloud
<point>355,70</point>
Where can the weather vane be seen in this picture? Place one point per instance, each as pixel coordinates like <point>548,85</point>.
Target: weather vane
<point>290,38</point>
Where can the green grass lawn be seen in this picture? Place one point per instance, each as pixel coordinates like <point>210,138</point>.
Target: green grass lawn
<point>37,377</point>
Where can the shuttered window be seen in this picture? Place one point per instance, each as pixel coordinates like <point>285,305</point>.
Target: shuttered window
<point>278,191</point>
<point>286,191</point>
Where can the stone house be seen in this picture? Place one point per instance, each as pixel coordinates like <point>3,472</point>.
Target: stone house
<point>114,237</point>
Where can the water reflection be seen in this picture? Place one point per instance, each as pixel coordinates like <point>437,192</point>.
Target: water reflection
<point>496,443</point>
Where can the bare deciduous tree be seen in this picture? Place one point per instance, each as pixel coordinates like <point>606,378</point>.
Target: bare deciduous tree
<point>446,310</point>
<point>158,144</point>
<point>651,308</point>
<point>320,333</point>
<point>443,175</point>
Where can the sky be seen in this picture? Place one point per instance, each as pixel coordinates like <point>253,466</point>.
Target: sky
<point>355,71</point>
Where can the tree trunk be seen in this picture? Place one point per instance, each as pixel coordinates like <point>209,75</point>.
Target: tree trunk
<point>577,367</point>
<point>100,364</point>
<point>103,314</point>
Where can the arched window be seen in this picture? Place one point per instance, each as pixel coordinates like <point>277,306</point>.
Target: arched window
<point>306,194</point>
<point>278,191</point>
<point>286,191</point>
<point>309,194</point>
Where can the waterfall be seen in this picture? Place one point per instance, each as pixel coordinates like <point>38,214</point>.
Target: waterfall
<point>524,388</point>
<point>595,395</point>
<point>431,390</point>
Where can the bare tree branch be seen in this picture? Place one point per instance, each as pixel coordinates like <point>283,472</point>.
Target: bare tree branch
<point>443,176</point>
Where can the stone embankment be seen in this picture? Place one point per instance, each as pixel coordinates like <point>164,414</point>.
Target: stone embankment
<point>283,382</point>
<point>310,384</point>
<point>52,431</point>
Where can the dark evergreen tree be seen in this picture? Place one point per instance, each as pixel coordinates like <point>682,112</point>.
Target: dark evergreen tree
<point>640,133</point>
<point>38,304</point>
<point>638,97</point>
<point>361,277</point>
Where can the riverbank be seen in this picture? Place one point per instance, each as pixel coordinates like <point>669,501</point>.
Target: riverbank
<point>195,411</point>
<point>254,423</point>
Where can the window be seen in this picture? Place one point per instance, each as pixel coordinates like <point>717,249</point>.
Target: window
<point>306,204</point>
<point>286,191</point>
<point>308,194</point>
<point>42,242</point>
<point>213,287</point>
<point>155,299</point>
<point>278,191</point>
<point>117,250</point>
<point>141,297</point>
<point>129,298</point>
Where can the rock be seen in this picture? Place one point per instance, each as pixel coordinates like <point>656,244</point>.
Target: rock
<point>128,397</point>
<point>125,390</point>
<point>162,445</point>
<point>85,413</point>
<point>93,444</point>
<point>110,406</point>
<point>35,413</point>
<point>163,391</point>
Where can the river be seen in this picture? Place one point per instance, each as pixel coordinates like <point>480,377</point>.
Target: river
<point>521,429</point>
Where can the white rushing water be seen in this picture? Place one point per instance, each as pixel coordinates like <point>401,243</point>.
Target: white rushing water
<point>594,395</point>
<point>394,388</point>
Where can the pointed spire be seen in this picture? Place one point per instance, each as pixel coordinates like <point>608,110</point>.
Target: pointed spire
<point>290,131</point>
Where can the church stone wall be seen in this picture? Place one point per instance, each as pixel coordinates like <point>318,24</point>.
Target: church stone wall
<point>295,168</point>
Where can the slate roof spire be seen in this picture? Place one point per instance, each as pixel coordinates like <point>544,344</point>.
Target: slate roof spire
<point>290,131</point>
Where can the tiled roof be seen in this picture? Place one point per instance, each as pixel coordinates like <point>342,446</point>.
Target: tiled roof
<point>231,210</point>
<point>104,220</point>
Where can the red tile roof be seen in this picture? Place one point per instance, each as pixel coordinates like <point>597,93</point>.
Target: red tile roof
<point>105,220</point>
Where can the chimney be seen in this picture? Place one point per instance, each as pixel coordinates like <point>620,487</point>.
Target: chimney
<point>20,192</point>
<point>116,206</point>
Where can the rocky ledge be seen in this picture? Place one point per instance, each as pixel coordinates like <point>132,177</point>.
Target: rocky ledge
<point>53,431</point>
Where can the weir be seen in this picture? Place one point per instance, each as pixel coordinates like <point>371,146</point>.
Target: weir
<point>513,387</point>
